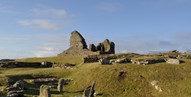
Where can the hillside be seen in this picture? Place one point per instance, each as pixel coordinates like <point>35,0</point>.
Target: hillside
<point>120,80</point>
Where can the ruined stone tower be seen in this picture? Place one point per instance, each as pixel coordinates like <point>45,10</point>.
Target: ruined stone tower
<point>78,47</point>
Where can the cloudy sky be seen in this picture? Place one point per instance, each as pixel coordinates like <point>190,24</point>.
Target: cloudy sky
<point>38,28</point>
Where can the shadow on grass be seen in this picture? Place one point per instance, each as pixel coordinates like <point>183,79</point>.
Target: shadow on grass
<point>32,92</point>
<point>80,91</point>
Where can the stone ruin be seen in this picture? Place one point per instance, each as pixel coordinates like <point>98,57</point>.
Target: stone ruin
<point>60,85</point>
<point>16,90</point>
<point>44,91</point>
<point>106,47</point>
<point>78,47</point>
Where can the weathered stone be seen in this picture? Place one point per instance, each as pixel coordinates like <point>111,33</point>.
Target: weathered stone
<point>44,80</point>
<point>78,46</point>
<point>173,61</point>
<point>20,84</point>
<point>112,48</point>
<point>146,61</point>
<point>106,47</point>
<point>104,61</point>
<point>122,60</point>
<point>77,41</point>
<point>46,64</point>
<point>15,94</point>
<point>89,91</point>
<point>189,57</point>
<point>100,47</point>
<point>60,85</point>
<point>92,47</point>
<point>122,75</point>
<point>44,91</point>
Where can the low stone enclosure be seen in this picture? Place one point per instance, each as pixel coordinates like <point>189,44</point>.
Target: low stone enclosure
<point>14,64</point>
<point>22,87</point>
<point>168,57</point>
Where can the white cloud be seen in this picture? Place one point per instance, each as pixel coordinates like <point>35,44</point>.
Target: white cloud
<point>41,23</point>
<point>109,7</point>
<point>48,18</point>
<point>50,12</point>
<point>46,51</point>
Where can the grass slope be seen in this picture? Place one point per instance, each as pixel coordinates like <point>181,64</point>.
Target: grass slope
<point>174,80</point>
<point>57,59</point>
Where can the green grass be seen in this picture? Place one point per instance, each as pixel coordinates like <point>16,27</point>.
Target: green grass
<point>174,80</point>
<point>57,59</point>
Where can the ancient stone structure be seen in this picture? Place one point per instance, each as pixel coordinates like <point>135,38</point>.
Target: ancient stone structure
<point>92,47</point>
<point>106,47</point>
<point>15,94</point>
<point>60,85</point>
<point>16,90</point>
<point>77,41</point>
<point>78,47</point>
<point>44,91</point>
<point>147,61</point>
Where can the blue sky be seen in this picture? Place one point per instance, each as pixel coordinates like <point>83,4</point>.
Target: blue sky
<point>39,28</point>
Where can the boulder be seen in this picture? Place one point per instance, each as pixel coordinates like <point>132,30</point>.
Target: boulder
<point>44,91</point>
<point>20,84</point>
<point>60,85</point>
<point>173,61</point>
<point>104,61</point>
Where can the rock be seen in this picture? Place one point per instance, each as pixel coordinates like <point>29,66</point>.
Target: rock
<point>104,61</point>
<point>15,94</point>
<point>44,91</point>
<point>112,48</point>
<point>122,60</point>
<point>106,47</point>
<point>44,80</point>
<point>189,57</point>
<point>109,46</point>
<point>173,61</point>
<point>92,47</point>
<point>89,91</point>
<point>154,84</point>
<point>122,75</point>
<point>60,85</point>
<point>46,64</point>
<point>100,47</point>
<point>143,62</point>
<point>77,41</point>
<point>20,84</point>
